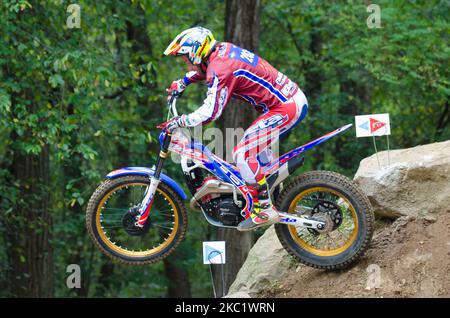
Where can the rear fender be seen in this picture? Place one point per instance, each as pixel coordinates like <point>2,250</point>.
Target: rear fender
<point>284,171</point>
<point>144,171</point>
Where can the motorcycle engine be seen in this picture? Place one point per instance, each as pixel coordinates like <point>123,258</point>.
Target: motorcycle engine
<point>224,210</point>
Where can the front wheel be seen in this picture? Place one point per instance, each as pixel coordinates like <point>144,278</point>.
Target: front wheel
<point>111,216</point>
<point>335,199</point>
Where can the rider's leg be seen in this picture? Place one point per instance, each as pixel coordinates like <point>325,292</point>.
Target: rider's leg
<point>254,145</point>
<point>263,212</point>
<point>257,185</point>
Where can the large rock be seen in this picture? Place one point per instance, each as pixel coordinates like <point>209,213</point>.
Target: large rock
<point>265,265</point>
<point>416,183</point>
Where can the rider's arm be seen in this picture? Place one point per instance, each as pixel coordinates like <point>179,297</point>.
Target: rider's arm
<point>219,93</point>
<point>179,86</point>
<point>193,77</point>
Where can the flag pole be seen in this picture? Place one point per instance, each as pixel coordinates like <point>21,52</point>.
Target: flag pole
<point>376,151</point>
<point>389,158</point>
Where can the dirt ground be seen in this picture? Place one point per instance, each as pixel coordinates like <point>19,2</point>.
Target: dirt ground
<point>408,258</point>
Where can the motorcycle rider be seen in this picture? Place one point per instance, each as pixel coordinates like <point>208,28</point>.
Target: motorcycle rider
<point>231,71</point>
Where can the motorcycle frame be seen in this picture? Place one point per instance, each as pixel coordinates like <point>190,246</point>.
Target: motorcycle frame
<point>191,150</point>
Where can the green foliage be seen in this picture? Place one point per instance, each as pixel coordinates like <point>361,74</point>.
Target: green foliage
<point>94,96</point>
<point>346,68</point>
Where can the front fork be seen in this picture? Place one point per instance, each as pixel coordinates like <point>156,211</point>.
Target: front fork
<point>146,203</point>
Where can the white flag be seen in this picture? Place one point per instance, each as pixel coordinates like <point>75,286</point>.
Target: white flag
<point>372,125</point>
<point>214,252</point>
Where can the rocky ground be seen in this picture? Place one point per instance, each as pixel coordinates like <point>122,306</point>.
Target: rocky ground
<point>411,258</point>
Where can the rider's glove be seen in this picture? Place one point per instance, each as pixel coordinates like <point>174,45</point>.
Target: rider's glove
<point>172,124</point>
<point>176,88</point>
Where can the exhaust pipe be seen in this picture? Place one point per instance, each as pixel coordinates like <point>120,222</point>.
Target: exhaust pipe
<point>209,187</point>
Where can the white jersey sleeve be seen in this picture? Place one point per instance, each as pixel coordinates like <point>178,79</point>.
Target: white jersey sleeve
<point>213,105</point>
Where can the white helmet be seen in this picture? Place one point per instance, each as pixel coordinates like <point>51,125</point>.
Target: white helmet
<point>196,43</point>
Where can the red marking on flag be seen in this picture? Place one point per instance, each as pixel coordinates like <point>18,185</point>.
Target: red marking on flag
<point>375,125</point>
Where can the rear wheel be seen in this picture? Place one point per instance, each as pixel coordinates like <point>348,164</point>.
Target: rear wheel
<point>111,216</point>
<point>336,200</point>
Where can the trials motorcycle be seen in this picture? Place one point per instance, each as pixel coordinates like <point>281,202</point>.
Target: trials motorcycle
<point>138,216</point>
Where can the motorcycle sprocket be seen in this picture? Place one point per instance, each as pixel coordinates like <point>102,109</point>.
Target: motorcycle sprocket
<point>329,208</point>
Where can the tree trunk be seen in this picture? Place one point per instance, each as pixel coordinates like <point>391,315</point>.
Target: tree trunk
<point>104,279</point>
<point>443,122</point>
<point>177,275</point>
<point>29,230</point>
<point>242,29</point>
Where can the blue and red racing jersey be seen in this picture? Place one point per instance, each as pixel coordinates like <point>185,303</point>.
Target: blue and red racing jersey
<point>235,72</point>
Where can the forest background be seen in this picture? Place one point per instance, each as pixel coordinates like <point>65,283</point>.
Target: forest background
<point>76,103</point>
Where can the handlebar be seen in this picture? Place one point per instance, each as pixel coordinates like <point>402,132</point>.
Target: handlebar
<point>172,104</point>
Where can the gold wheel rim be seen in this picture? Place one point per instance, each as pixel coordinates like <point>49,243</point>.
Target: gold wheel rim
<point>124,251</point>
<point>311,249</point>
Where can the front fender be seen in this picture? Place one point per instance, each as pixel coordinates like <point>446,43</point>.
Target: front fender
<point>144,171</point>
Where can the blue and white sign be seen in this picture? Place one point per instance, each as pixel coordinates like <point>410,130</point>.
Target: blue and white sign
<point>214,252</point>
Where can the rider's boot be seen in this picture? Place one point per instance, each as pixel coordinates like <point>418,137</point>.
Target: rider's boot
<point>263,213</point>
